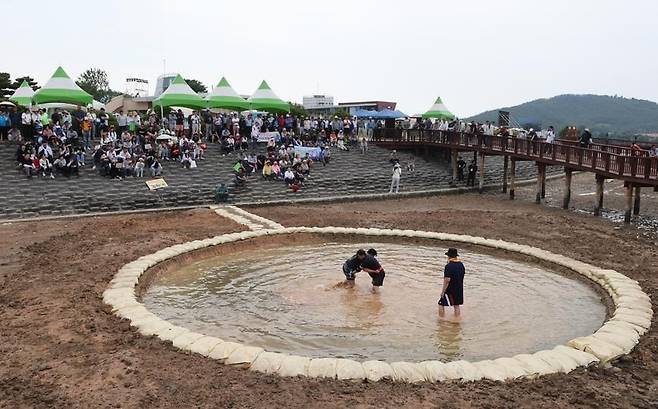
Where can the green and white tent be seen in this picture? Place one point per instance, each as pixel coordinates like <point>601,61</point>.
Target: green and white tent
<point>223,96</point>
<point>23,95</point>
<point>61,88</point>
<point>179,94</point>
<point>439,111</point>
<point>264,99</point>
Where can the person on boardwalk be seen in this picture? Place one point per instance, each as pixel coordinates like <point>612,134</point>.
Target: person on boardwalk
<point>395,179</point>
<point>452,293</point>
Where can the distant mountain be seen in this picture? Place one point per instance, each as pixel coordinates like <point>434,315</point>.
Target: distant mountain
<point>600,113</point>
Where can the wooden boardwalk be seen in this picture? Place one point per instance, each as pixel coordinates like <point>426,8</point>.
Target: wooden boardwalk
<point>636,168</point>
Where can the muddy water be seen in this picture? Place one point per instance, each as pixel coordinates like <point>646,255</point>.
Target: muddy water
<point>284,300</point>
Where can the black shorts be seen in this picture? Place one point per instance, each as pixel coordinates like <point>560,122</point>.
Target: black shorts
<point>378,278</point>
<point>450,300</point>
<point>349,274</point>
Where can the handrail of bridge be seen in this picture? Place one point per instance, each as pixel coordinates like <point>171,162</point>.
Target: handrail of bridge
<point>618,149</point>
<point>622,164</point>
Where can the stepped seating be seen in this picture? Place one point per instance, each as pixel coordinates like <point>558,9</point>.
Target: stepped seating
<point>348,173</point>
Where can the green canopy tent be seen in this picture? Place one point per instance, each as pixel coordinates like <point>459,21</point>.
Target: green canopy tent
<point>61,88</point>
<point>179,94</point>
<point>225,97</point>
<point>439,111</point>
<point>23,95</point>
<point>264,99</point>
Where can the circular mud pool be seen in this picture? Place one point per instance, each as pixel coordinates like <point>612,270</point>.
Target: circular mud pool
<point>283,299</point>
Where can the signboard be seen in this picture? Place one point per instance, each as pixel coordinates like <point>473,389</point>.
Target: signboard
<point>155,184</point>
<point>266,136</point>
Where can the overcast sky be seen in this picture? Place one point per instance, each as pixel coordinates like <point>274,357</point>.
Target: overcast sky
<point>476,55</point>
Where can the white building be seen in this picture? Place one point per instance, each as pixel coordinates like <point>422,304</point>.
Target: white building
<point>318,101</point>
<point>163,83</point>
<point>137,87</point>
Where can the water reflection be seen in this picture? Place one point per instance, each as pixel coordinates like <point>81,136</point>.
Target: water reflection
<point>448,337</point>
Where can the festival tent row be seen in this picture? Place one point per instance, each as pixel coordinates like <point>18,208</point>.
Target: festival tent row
<point>59,92</point>
<point>223,96</point>
<point>61,89</point>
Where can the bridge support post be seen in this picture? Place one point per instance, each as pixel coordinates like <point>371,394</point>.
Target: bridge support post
<point>599,195</point>
<point>505,166</point>
<point>481,181</point>
<point>512,178</point>
<point>636,202</point>
<point>629,202</point>
<point>541,168</point>
<point>454,156</point>
<point>543,181</point>
<point>567,188</point>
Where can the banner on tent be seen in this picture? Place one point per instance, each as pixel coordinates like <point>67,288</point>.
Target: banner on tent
<point>266,136</point>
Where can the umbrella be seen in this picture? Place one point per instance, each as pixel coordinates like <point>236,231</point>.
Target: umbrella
<point>164,137</point>
<point>7,104</point>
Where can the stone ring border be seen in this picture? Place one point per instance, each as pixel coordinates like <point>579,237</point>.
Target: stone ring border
<point>618,335</point>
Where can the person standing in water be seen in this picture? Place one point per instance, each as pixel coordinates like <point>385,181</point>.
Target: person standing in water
<point>371,266</point>
<point>353,266</point>
<point>452,293</point>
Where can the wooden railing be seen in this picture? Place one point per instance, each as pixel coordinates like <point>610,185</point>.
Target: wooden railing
<point>608,160</point>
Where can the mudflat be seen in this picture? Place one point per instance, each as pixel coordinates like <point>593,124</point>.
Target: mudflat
<point>61,347</point>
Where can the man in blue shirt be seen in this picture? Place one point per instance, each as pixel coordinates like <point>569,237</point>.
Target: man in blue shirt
<point>452,293</point>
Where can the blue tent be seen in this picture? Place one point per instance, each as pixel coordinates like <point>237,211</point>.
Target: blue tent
<point>391,114</point>
<point>384,114</point>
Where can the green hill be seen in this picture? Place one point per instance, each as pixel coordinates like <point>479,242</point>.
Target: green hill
<point>603,114</point>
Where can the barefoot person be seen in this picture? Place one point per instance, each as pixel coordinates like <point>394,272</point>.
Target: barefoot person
<point>371,266</point>
<point>353,266</point>
<point>452,294</point>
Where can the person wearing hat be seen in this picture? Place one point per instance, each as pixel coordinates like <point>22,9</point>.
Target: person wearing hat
<point>452,293</point>
<point>395,179</point>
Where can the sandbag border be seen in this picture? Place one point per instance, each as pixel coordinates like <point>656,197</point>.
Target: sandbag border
<point>617,337</point>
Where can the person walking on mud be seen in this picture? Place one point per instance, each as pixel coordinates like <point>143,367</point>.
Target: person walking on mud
<point>472,170</point>
<point>452,293</point>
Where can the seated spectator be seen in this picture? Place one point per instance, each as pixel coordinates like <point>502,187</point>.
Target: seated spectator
<point>289,176</point>
<point>45,167</point>
<point>267,170</point>
<point>80,156</point>
<point>156,168</point>
<point>59,165</point>
<point>139,168</point>
<point>45,149</point>
<point>186,160</point>
<point>276,170</point>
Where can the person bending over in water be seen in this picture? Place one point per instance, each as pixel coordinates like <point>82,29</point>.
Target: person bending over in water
<point>353,266</point>
<point>452,294</point>
<point>371,266</point>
